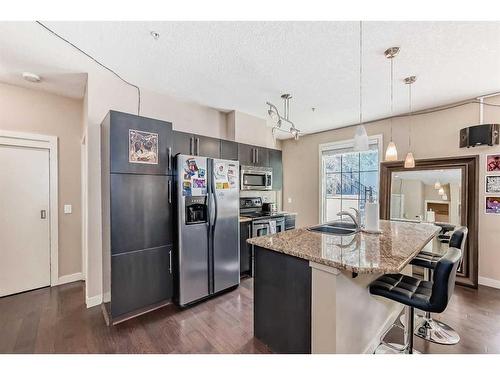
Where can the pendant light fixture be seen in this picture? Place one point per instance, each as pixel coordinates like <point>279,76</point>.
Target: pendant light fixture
<point>409,160</point>
<point>391,154</point>
<point>360,137</point>
<point>279,120</point>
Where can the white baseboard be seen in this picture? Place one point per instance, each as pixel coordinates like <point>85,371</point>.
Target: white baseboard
<point>93,301</point>
<point>489,282</point>
<point>69,278</point>
<point>370,348</point>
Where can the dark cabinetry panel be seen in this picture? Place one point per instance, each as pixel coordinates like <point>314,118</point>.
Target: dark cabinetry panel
<point>141,212</point>
<point>282,302</point>
<point>245,248</point>
<point>198,145</point>
<point>289,222</point>
<point>253,155</point>
<point>183,143</point>
<point>120,125</point>
<point>228,150</point>
<point>140,279</point>
<point>275,161</point>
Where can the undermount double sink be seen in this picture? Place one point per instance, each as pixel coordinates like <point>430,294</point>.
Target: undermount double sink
<point>340,228</point>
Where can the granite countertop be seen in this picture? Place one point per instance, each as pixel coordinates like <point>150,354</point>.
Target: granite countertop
<point>388,252</point>
<point>245,219</point>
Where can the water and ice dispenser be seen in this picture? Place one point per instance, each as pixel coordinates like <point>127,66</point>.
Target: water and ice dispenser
<point>196,209</point>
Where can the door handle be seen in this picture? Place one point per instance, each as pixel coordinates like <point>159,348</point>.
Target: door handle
<point>169,191</point>
<point>197,146</point>
<point>169,158</point>
<point>191,151</point>
<point>170,261</point>
<point>43,214</point>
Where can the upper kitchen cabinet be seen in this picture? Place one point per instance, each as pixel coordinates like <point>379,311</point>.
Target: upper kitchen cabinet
<point>275,161</point>
<point>228,150</point>
<point>197,145</point>
<point>138,145</point>
<point>253,155</point>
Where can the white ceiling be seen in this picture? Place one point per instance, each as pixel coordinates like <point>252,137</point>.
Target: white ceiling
<point>444,176</point>
<point>241,65</point>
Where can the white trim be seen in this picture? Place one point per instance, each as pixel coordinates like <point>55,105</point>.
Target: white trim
<point>93,301</point>
<point>50,143</point>
<point>349,143</point>
<point>489,282</point>
<point>84,192</point>
<point>70,278</point>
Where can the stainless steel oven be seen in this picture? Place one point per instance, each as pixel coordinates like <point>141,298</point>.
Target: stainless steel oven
<point>256,178</point>
<point>261,227</point>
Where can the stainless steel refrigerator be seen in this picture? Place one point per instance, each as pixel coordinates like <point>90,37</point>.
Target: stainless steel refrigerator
<point>207,227</point>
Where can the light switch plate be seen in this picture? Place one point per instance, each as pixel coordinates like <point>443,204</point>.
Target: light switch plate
<point>289,200</point>
<point>68,208</point>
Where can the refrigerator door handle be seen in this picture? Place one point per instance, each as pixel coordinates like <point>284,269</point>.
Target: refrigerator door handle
<point>169,191</point>
<point>170,261</point>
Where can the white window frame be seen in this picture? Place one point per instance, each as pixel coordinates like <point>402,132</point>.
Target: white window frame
<point>331,146</point>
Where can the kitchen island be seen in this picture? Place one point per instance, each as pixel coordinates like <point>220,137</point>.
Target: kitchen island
<point>311,289</point>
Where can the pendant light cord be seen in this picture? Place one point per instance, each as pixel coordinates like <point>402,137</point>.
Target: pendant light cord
<point>392,92</point>
<point>97,62</point>
<point>360,72</point>
<point>410,109</point>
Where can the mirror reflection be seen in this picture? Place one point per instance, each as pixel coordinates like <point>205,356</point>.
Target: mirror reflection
<point>427,195</point>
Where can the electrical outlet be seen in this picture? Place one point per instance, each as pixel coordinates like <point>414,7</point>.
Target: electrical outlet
<point>289,200</point>
<point>68,208</point>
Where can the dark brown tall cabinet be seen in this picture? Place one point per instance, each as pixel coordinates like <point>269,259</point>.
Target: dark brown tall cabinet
<point>137,214</point>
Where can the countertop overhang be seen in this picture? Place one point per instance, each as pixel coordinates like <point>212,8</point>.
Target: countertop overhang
<point>387,252</point>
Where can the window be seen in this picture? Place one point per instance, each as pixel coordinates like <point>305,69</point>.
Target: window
<point>347,177</point>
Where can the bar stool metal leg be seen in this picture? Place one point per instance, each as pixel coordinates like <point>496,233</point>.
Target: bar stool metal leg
<point>407,347</point>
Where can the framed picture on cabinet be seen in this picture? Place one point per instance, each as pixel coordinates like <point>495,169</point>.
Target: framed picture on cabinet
<point>493,163</point>
<point>143,147</point>
<point>493,205</point>
<point>492,184</point>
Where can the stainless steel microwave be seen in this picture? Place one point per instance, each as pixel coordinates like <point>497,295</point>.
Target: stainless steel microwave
<point>256,178</point>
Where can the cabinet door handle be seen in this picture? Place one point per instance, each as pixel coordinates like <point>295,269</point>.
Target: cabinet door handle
<point>170,158</point>
<point>253,156</point>
<point>191,152</point>
<point>169,191</point>
<point>170,261</point>
<point>257,154</point>
<point>197,146</point>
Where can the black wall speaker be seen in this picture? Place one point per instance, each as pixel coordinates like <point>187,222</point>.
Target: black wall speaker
<point>479,135</point>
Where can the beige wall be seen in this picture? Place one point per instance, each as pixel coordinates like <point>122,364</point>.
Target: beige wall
<point>434,135</point>
<point>30,111</point>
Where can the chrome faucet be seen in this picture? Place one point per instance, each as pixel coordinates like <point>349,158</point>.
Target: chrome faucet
<point>356,219</point>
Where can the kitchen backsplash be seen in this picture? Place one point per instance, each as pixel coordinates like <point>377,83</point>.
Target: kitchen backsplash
<point>267,196</point>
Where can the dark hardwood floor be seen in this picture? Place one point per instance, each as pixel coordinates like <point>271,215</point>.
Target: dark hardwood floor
<point>55,320</point>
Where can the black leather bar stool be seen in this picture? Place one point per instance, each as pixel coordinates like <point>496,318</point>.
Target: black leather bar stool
<point>431,329</point>
<point>432,296</point>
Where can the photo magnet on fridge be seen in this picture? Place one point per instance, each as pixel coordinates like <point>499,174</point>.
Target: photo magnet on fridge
<point>186,189</point>
<point>199,183</point>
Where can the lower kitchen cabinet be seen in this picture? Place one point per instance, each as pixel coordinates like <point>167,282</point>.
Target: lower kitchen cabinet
<point>245,249</point>
<point>140,280</point>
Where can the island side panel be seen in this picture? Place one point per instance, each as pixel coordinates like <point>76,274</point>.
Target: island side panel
<point>282,302</point>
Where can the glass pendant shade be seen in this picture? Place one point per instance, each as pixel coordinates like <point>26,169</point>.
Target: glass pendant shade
<point>441,191</point>
<point>437,185</point>
<point>361,139</point>
<point>391,154</point>
<point>409,160</point>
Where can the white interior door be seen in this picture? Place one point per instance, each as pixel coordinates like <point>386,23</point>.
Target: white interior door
<point>24,219</point>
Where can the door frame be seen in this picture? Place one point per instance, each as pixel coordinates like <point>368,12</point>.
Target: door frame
<point>48,142</point>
